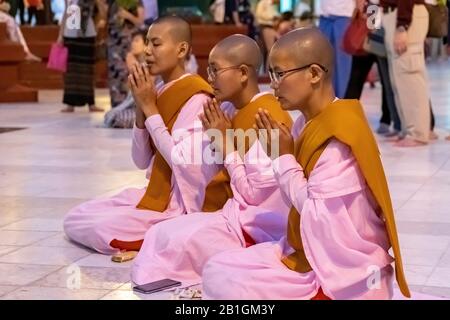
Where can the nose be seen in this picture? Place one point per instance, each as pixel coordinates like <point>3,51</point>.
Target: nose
<point>147,51</point>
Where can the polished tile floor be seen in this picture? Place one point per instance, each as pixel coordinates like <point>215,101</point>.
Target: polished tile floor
<point>61,160</point>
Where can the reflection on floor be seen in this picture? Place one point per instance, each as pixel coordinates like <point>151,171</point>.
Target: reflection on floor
<point>64,159</point>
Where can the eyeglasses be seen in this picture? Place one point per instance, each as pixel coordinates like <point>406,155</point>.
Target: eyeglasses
<point>213,72</point>
<point>277,76</point>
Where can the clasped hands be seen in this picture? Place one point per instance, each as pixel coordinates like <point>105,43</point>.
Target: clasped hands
<point>142,86</point>
<point>271,132</point>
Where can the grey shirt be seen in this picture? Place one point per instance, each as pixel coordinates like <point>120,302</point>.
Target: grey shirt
<point>76,33</point>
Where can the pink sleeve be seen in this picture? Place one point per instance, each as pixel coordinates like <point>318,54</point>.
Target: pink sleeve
<point>183,150</point>
<point>141,151</point>
<point>291,179</point>
<point>335,164</point>
<point>161,136</point>
<point>253,176</point>
<point>335,204</point>
<point>177,147</point>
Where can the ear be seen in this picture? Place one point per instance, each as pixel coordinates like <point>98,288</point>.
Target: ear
<point>316,74</point>
<point>183,50</point>
<point>245,73</point>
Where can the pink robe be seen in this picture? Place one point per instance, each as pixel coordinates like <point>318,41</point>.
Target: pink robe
<point>178,249</point>
<point>344,240</point>
<point>96,223</point>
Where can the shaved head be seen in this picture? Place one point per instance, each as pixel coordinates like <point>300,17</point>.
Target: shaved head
<point>233,66</point>
<point>305,46</point>
<point>237,50</point>
<point>178,28</point>
<point>169,43</point>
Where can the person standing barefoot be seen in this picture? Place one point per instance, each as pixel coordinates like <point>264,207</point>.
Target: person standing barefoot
<point>79,79</point>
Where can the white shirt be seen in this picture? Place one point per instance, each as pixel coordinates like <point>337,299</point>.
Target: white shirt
<point>75,33</point>
<point>301,8</point>
<point>266,12</point>
<point>151,9</point>
<point>342,8</point>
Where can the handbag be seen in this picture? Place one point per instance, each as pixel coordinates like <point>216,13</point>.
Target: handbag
<point>374,43</point>
<point>57,59</point>
<point>438,27</point>
<point>355,35</point>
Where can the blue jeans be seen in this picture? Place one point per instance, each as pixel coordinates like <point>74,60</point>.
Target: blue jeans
<point>334,28</point>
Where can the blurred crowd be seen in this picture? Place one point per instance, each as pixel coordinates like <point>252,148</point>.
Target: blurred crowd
<point>397,58</point>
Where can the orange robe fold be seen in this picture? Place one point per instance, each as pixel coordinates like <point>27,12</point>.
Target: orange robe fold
<point>333,122</point>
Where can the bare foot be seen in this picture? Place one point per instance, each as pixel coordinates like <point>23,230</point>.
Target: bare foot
<point>31,57</point>
<point>68,109</point>
<point>395,138</point>
<point>433,135</point>
<point>124,256</point>
<point>95,109</point>
<point>408,142</point>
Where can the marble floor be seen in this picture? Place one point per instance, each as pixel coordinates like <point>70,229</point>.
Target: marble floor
<point>61,160</point>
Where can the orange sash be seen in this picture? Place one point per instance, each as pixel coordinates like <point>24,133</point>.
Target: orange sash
<point>170,103</point>
<point>218,190</point>
<point>345,121</point>
<point>245,119</point>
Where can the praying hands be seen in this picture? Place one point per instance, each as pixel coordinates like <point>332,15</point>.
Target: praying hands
<point>284,139</point>
<point>214,118</point>
<point>142,86</point>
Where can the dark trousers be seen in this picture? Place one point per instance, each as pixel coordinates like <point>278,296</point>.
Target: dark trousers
<point>21,9</point>
<point>361,66</point>
<point>39,14</point>
<point>48,13</point>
